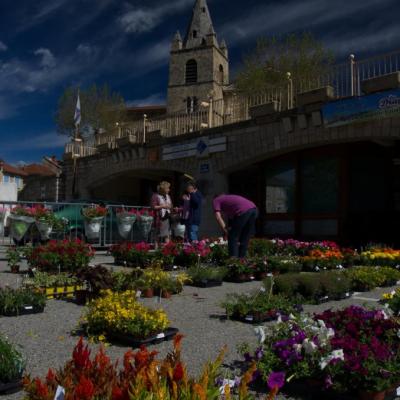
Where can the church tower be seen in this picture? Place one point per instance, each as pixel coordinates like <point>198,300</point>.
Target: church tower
<point>199,65</point>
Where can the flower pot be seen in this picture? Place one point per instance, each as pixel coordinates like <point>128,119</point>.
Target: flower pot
<point>260,275</point>
<point>11,387</point>
<point>143,225</point>
<point>14,269</point>
<point>19,226</point>
<point>93,227</point>
<point>179,230</point>
<point>44,229</point>
<point>148,293</point>
<point>165,294</point>
<point>82,296</point>
<point>364,395</point>
<point>125,223</point>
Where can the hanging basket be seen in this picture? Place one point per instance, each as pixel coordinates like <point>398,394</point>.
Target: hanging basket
<point>19,226</point>
<point>125,223</point>
<point>179,230</point>
<point>93,227</point>
<point>44,228</point>
<point>145,222</point>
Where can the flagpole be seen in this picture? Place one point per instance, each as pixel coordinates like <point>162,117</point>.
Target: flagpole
<point>77,140</point>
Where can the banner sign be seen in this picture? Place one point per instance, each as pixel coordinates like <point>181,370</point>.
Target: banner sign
<point>361,109</point>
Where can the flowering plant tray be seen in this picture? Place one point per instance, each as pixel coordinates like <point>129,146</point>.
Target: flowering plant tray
<point>24,310</point>
<point>124,338</point>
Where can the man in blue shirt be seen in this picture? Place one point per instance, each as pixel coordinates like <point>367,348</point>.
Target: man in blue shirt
<point>196,199</point>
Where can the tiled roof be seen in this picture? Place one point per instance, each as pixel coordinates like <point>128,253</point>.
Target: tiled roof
<point>10,169</point>
<point>38,169</point>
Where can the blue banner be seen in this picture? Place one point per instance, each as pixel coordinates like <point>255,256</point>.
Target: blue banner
<point>363,108</point>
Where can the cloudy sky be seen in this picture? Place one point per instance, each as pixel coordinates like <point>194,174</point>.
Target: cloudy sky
<point>47,45</point>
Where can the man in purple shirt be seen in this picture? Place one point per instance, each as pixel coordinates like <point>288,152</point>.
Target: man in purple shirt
<point>241,214</point>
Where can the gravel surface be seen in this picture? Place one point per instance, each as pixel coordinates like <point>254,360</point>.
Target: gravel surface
<point>47,339</point>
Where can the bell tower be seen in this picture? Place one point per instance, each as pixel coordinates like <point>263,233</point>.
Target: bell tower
<point>199,65</point>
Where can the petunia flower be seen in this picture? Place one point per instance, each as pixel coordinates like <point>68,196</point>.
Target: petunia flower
<point>276,380</point>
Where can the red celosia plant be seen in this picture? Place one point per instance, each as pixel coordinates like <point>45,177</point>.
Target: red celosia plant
<point>142,376</point>
<point>95,211</point>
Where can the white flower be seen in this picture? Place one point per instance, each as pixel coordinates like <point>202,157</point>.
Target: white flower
<point>212,244</point>
<point>398,333</point>
<point>260,332</point>
<point>226,382</point>
<point>297,348</point>
<point>309,346</point>
<point>336,354</point>
<point>321,323</point>
<point>317,268</point>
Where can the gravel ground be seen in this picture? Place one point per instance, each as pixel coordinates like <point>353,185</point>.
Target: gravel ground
<point>47,341</point>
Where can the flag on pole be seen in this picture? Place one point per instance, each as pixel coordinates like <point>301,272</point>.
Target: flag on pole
<point>77,115</point>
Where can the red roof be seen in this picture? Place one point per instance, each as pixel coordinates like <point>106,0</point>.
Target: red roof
<point>9,169</point>
<point>38,169</point>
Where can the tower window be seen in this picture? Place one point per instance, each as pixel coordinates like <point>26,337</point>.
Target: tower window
<point>203,42</point>
<point>191,71</point>
<point>194,34</point>
<point>221,74</point>
<point>203,9</point>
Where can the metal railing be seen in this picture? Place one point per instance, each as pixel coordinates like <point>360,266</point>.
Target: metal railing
<point>345,78</point>
<point>72,224</point>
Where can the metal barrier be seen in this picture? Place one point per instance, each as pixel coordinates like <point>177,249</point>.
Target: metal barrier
<point>72,224</point>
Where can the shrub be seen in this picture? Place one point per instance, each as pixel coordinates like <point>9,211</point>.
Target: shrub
<point>63,255</point>
<point>391,275</point>
<point>205,273</point>
<point>11,362</point>
<point>261,248</point>
<point>335,284</point>
<point>310,286</point>
<point>286,284</point>
<point>365,278</point>
<point>97,278</point>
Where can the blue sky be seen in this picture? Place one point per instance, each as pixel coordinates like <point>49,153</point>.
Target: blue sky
<point>47,45</point>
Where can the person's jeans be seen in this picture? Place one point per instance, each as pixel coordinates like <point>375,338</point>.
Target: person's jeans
<point>193,232</point>
<point>241,228</point>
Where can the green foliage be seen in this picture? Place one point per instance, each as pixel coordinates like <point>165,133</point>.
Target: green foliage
<point>101,108</point>
<point>267,66</point>
<point>43,279</point>
<point>13,256</point>
<point>261,248</point>
<point>12,301</point>
<point>283,264</point>
<point>11,362</point>
<point>205,273</point>
<point>98,278</point>
<point>365,278</point>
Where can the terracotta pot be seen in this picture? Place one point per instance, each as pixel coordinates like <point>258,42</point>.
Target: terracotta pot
<point>364,395</point>
<point>165,294</point>
<point>14,269</point>
<point>148,293</point>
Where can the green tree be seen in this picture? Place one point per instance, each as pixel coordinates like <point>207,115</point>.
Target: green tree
<point>100,109</point>
<point>268,64</point>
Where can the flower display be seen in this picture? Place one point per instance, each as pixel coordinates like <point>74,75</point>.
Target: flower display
<point>122,313</point>
<point>94,211</point>
<point>381,256</point>
<point>142,376</point>
<point>350,349</point>
<point>63,255</point>
<point>22,211</point>
<point>12,363</point>
<point>131,254</point>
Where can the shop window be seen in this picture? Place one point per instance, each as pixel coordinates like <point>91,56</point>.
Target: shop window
<point>319,227</point>
<point>319,182</point>
<point>279,227</point>
<point>280,188</point>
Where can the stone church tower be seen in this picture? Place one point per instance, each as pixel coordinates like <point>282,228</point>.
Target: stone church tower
<point>199,65</point>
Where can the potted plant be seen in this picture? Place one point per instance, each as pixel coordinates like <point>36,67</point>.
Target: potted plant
<point>15,302</point>
<point>144,224</point>
<point>44,221</point>
<point>121,317</point>
<point>365,278</point>
<point>125,220</point>
<point>335,285</point>
<point>14,259</point>
<point>20,221</point>
<point>260,267</point>
<point>96,278</point>
<point>206,276</point>
<point>12,366</point>
<point>239,270</point>
<point>93,218</point>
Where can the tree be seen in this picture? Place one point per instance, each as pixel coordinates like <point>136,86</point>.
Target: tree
<point>100,109</point>
<point>267,65</point>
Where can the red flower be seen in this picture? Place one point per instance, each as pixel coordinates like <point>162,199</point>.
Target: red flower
<point>84,390</point>
<point>178,372</point>
<point>41,388</point>
<point>81,355</point>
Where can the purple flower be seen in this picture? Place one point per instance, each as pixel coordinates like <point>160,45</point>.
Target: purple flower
<point>328,381</point>
<point>247,357</point>
<point>259,353</point>
<point>276,380</point>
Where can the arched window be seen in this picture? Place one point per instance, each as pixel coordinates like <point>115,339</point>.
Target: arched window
<point>194,34</point>
<point>191,104</point>
<point>221,74</point>
<point>203,42</point>
<point>191,71</point>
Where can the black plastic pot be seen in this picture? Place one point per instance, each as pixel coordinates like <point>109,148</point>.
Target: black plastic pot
<point>205,283</point>
<point>10,387</point>
<point>129,340</point>
<point>25,310</point>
